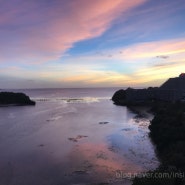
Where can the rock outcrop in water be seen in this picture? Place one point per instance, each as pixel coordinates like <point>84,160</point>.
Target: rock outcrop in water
<point>11,98</point>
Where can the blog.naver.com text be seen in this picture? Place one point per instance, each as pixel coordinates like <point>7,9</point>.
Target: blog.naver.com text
<point>122,175</point>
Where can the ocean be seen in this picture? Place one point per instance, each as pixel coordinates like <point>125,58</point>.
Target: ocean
<point>73,136</point>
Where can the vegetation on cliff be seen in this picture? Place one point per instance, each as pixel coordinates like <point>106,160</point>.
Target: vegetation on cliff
<point>10,98</point>
<point>167,131</point>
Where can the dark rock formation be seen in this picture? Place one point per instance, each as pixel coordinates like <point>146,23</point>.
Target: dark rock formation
<point>176,86</point>
<point>10,98</point>
<point>171,91</point>
<point>132,96</point>
<point>166,129</point>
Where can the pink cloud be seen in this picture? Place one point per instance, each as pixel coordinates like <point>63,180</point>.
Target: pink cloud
<point>34,29</point>
<point>169,48</point>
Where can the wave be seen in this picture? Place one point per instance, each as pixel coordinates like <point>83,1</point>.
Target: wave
<point>70,100</point>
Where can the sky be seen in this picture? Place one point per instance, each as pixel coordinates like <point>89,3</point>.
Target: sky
<point>90,43</point>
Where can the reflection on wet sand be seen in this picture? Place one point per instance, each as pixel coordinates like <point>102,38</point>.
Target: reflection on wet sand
<point>77,142</point>
<point>90,160</point>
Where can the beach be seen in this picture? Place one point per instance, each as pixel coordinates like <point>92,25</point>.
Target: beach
<point>73,137</point>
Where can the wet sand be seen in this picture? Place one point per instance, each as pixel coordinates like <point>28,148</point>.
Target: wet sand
<point>67,142</point>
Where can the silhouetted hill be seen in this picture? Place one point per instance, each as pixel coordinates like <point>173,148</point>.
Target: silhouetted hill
<point>171,91</point>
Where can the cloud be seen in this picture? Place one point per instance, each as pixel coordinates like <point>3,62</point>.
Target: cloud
<point>96,77</point>
<point>34,32</point>
<point>45,30</point>
<point>165,49</point>
<point>140,59</point>
<point>154,20</point>
<point>143,67</point>
<point>162,56</point>
<point>159,73</point>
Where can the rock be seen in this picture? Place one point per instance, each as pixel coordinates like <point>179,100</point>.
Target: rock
<point>80,172</point>
<point>10,98</point>
<point>76,138</point>
<point>41,145</point>
<point>103,122</point>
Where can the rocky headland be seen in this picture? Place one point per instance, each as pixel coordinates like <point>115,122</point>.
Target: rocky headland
<point>171,91</point>
<point>167,128</point>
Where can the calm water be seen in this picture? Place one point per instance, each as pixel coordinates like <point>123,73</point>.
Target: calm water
<point>72,136</point>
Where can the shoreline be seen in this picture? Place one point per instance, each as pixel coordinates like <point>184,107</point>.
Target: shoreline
<point>169,159</point>
<point>166,131</point>
<point>142,111</point>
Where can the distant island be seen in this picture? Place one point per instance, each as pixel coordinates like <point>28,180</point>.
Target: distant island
<point>11,98</point>
<point>171,91</point>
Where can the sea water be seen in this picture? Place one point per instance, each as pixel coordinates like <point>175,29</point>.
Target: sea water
<point>72,136</point>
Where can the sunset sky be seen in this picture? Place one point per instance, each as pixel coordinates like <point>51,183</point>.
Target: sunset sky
<point>90,43</point>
